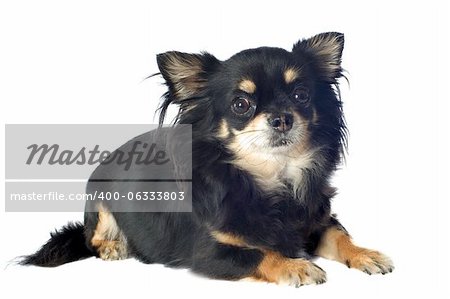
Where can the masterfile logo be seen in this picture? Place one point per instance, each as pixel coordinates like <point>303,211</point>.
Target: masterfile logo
<point>48,166</point>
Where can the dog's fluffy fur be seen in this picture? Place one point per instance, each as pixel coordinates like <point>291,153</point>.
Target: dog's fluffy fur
<point>267,133</point>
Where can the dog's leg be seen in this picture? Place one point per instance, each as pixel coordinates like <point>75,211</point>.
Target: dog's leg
<point>227,256</point>
<point>337,245</point>
<point>107,239</point>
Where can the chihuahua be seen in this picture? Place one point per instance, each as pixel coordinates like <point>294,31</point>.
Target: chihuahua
<point>268,132</point>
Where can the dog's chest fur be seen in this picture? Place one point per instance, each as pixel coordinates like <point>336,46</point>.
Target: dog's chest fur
<point>276,171</point>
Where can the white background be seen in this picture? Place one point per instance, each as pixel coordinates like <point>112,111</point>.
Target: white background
<point>84,62</point>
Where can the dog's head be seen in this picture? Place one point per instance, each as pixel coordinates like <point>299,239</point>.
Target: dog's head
<point>262,102</point>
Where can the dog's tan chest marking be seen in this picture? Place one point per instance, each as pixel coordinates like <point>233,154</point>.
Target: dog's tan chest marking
<point>271,171</point>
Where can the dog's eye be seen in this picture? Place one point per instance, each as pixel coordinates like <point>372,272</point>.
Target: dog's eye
<point>300,95</point>
<point>240,105</point>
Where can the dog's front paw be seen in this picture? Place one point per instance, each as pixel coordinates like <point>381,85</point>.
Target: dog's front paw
<point>282,270</point>
<point>370,262</point>
<point>305,272</point>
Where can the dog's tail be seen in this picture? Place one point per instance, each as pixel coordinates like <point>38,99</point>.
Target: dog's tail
<point>65,245</point>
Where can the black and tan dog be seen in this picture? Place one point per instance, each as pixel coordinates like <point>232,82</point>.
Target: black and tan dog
<point>267,133</point>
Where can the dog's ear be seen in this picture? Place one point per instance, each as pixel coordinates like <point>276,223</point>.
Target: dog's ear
<point>326,51</point>
<point>186,74</point>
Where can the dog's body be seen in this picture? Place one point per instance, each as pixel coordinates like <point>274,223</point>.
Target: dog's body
<point>267,134</point>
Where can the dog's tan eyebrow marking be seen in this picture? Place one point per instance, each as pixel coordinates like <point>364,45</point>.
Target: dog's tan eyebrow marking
<point>247,86</point>
<point>290,74</point>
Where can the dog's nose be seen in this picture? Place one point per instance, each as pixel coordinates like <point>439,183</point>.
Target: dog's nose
<point>282,122</point>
